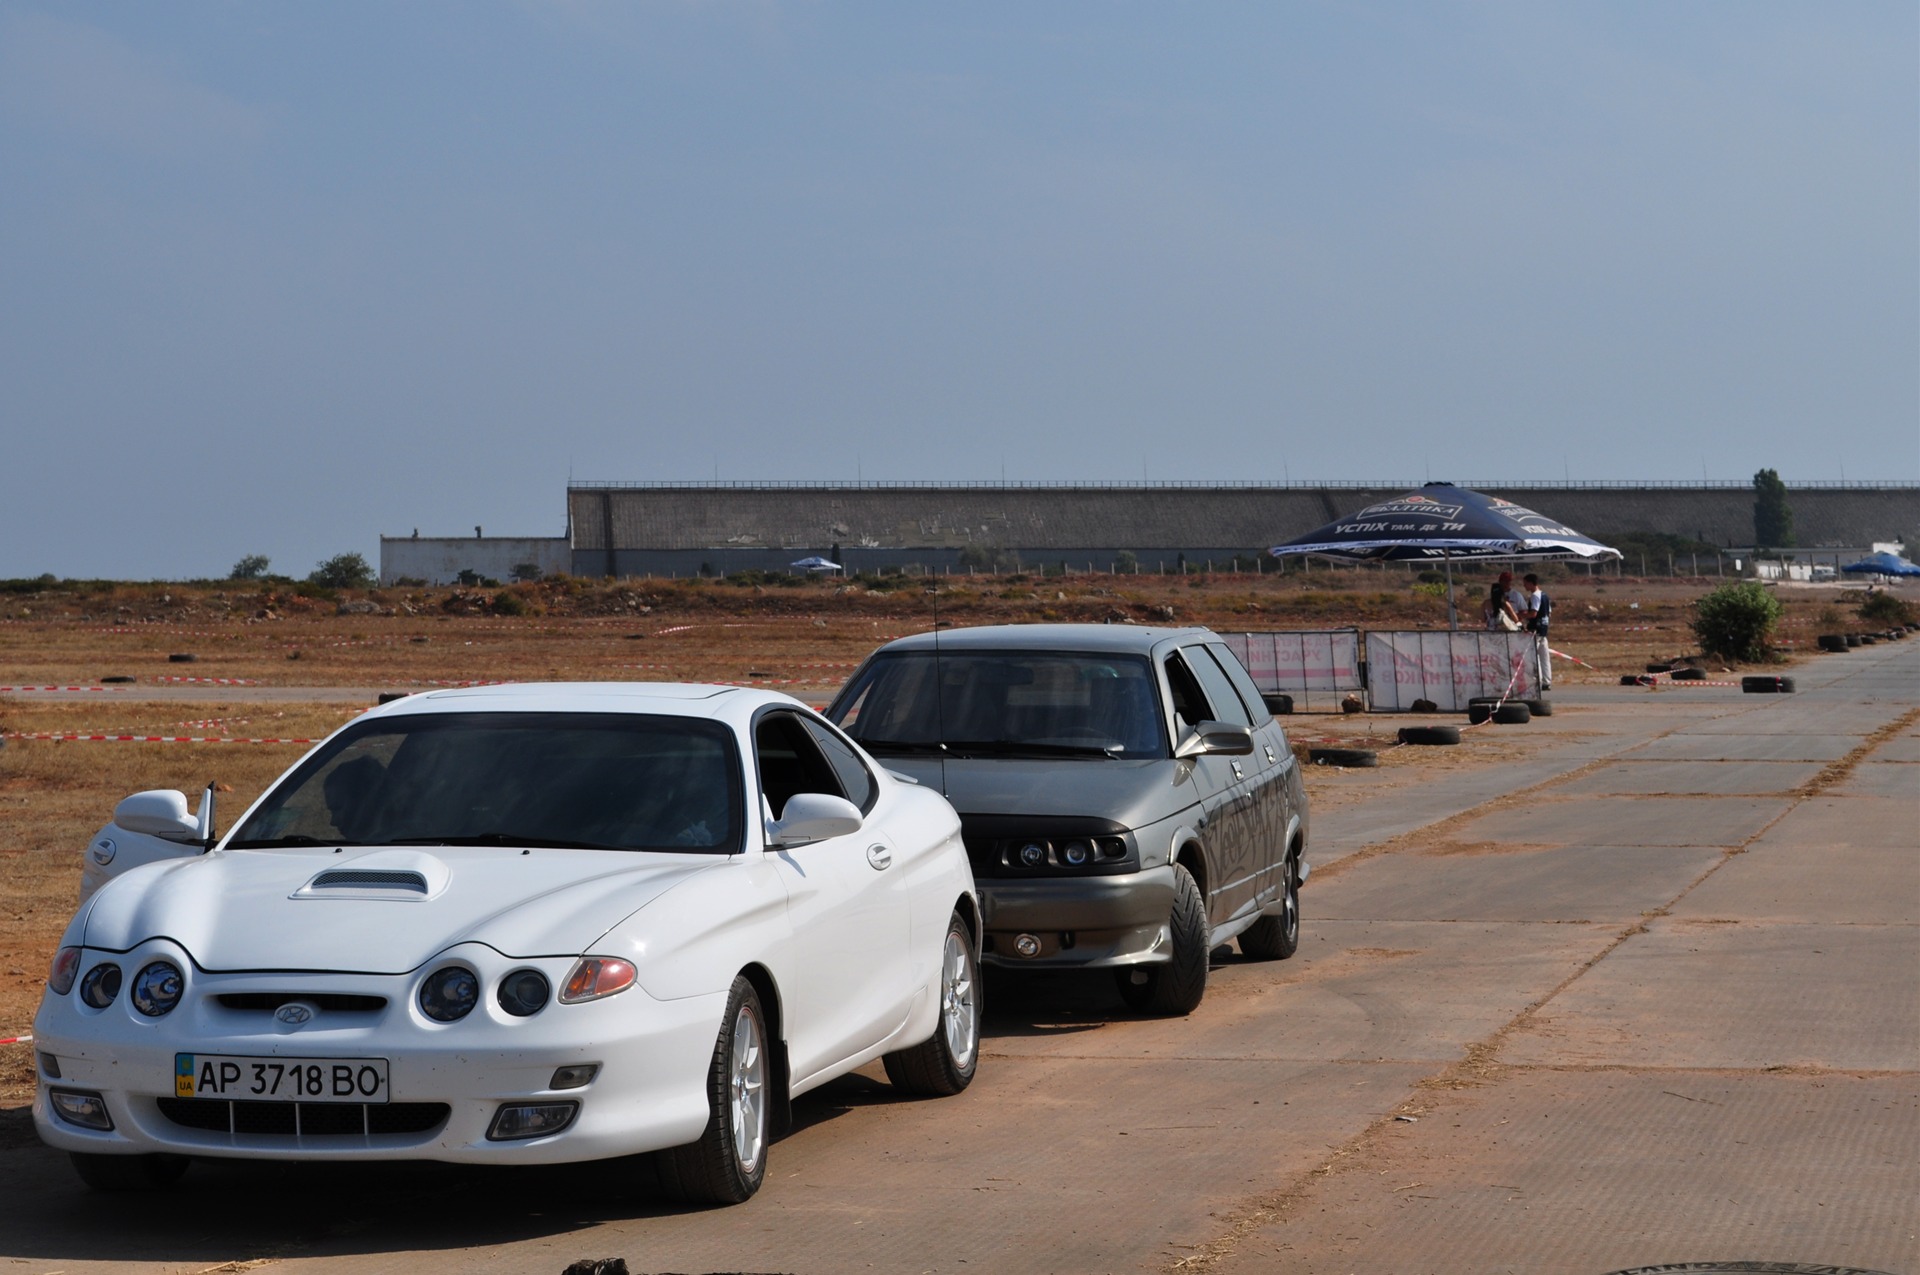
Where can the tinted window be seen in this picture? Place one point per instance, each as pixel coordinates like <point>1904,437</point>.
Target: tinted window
<point>614,781</point>
<point>1043,701</point>
<point>790,762</point>
<point>846,763</point>
<point>1189,701</point>
<point>1220,693</point>
<point>1242,682</point>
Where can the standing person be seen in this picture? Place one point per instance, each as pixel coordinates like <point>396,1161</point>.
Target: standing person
<point>1538,617</point>
<point>1497,611</point>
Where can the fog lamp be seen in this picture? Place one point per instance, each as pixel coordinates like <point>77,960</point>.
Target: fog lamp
<point>531,1120</point>
<point>1027,944</point>
<point>77,1106</point>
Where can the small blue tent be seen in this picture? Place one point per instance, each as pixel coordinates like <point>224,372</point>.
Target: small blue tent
<point>1882,564</point>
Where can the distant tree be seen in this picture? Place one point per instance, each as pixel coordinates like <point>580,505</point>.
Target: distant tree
<point>343,571</point>
<point>1772,518</point>
<point>251,567</point>
<point>526,571</point>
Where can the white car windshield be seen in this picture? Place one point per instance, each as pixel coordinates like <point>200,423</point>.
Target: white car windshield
<point>1005,703</point>
<point>602,781</point>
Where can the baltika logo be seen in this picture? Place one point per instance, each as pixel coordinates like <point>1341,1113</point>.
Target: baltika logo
<point>1424,505</point>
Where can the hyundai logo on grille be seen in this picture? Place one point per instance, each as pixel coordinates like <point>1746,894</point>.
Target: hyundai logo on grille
<point>294,1014</point>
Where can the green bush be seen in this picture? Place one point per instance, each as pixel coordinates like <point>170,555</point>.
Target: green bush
<point>508,604</point>
<point>1884,608</point>
<point>343,571</point>
<point>1736,621</point>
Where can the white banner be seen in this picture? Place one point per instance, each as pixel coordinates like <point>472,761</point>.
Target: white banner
<point>1300,663</point>
<point>1449,668</point>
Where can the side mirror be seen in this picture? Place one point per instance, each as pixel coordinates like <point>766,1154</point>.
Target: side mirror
<point>1222,738</point>
<point>159,813</point>
<point>814,816</point>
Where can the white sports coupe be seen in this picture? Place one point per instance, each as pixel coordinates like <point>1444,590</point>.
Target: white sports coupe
<point>519,924</point>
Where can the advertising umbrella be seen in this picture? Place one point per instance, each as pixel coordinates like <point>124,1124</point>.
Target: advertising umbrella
<point>1441,523</point>
<point>1882,564</point>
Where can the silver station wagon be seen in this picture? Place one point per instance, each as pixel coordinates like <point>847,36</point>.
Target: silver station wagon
<point>1126,799</point>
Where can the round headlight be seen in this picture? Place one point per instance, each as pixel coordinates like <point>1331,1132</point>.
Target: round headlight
<point>156,989</point>
<point>449,994</point>
<point>101,985</point>
<point>1076,853</point>
<point>524,993</point>
<point>1033,854</point>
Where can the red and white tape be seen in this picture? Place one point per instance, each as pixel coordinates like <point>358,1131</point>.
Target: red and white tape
<point>16,1040</point>
<point>62,688</point>
<point>208,681</point>
<point>75,737</point>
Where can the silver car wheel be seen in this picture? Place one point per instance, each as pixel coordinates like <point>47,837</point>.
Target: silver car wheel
<point>747,1091</point>
<point>959,1011</point>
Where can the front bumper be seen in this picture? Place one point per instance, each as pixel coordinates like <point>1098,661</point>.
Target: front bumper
<point>1079,922</point>
<point>649,1093</point>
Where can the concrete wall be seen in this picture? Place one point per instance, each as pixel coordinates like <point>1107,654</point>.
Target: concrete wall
<point>440,559</point>
<point>674,529</point>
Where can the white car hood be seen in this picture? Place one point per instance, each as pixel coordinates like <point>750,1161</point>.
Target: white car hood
<point>261,909</point>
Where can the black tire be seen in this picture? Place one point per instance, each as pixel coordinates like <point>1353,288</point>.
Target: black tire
<point>1276,937</point>
<point>1633,679</point>
<point>1357,757</point>
<point>129,1172</point>
<point>1869,639</point>
<point>714,1170</point>
<point>181,657</point>
<point>1766,685</point>
<point>1512,713</point>
<point>116,679</point>
<point>1659,668</point>
<point>1689,674</point>
<point>1429,734</point>
<point>1853,639</point>
<point>943,1064</point>
<point>1176,988</point>
<point>1539,707</point>
<point>1277,704</point>
<point>387,697</point>
<point>1833,641</point>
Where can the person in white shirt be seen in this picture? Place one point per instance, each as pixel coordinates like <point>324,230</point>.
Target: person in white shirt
<point>1537,614</point>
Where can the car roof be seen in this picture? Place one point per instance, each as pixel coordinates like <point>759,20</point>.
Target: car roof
<point>1102,638</point>
<point>676,699</point>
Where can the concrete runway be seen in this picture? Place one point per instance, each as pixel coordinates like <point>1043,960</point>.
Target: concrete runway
<point>1651,996</point>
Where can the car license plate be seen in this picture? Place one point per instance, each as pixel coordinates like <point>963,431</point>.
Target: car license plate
<point>229,1077</point>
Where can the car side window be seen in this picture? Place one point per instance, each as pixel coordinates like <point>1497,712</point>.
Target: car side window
<point>1220,693</point>
<point>1242,681</point>
<point>855,778</point>
<point>1189,701</point>
<point>790,762</point>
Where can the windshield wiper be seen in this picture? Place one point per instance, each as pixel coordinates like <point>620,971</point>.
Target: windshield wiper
<point>1004,747</point>
<point>498,839</point>
<point>898,747</point>
<point>291,839</point>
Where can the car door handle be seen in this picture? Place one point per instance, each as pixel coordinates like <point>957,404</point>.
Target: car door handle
<point>880,857</point>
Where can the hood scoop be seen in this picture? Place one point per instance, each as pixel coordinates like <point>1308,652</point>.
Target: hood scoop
<point>399,876</point>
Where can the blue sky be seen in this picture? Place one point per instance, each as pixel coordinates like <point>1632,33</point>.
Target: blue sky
<point>280,278</point>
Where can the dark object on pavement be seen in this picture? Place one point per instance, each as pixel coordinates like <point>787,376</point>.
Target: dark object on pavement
<point>1278,704</point>
<point>1689,675</point>
<point>1423,706</point>
<point>387,697</point>
<point>115,680</point>
<point>1429,734</point>
<point>1511,713</point>
<point>1766,685</point>
<point>181,657</point>
<point>597,1266</point>
<point>1853,639</point>
<point>1539,707</point>
<point>1833,641</point>
<point>1359,757</point>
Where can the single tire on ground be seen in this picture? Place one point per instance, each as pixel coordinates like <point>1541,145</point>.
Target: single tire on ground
<point>387,697</point>
<point>1633,679</point>
<point>1853,639</point>
<point>1175,988</point>
<point>182,657</point>
<point>129,1172</point>
<point>1539,707</point>
<point>1276,936</point>
<point>728,1163</point>
<point>943,1064</point>
<point>1278,704</point>
<point>1766,685</point>
<point>1689,674</point>
<point>1512,713</point>
<point>1343,757</point>
<point>115,680</point>
<point>1833,641</point>
<point>1429,734</point>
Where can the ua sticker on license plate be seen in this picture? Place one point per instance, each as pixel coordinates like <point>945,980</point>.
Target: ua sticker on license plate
<point>280,1079</point>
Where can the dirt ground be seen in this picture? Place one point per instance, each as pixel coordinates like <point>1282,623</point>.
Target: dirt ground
<point>803,637</point>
